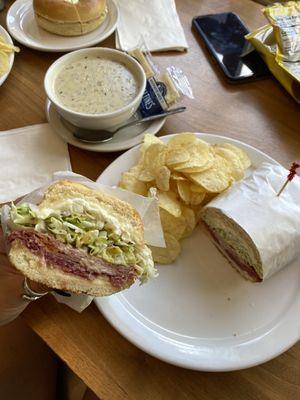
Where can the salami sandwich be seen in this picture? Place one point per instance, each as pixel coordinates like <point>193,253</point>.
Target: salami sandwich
<point>79,240</point>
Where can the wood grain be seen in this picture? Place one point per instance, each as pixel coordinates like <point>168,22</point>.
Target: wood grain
<point>115,369</point>
<point>260,113</point>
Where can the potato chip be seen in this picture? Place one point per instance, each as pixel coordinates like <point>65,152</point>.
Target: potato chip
<point>154,157</point>
<point>197,189</point>
<point>189,197</point>
<point>215,179</point>
<point>142,174</point>
<point>182,139</point>
<point>176,155</point>
<point>135,170</point>
<point>173,187</point>
<point>148,140</point>
<point>131,183</point>
<point>196,198</point>
<point>236,166</point>
<point>168,201</point>
<point>245,160</point>
<point>184,190</point>
<point>208,197</point>
<point>190,219</point>
<point>174,226</point>
<point>162,178</point>
<point>146,176</point>
<point>194,170</point>
<point>166,255</point>
<point>201,158</point>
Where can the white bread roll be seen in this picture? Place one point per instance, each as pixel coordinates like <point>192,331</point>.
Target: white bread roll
<point>69,17</point>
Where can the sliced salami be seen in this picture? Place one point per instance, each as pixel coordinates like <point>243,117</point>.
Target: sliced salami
<point>73,261</point>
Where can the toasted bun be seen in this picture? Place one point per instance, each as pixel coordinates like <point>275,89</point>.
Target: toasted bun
<point>69,17</point>
<point>36,269</point>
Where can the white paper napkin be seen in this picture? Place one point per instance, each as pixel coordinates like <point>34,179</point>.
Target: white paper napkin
<point>29,156</point>
<point>155,22</point>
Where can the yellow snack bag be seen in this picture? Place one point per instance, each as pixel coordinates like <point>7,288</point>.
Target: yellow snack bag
<point>279,44</point>
<point>285,19</point>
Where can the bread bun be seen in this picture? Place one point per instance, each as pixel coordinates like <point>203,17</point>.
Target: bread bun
<point>69,17</point>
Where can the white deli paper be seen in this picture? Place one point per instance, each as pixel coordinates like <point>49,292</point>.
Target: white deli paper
<point>156,22</point>
<point>147,208</point>
<point>29,156</point>
<point>272,222</point>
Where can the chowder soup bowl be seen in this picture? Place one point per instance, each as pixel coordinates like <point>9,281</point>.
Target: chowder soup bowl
<point>100,120</point>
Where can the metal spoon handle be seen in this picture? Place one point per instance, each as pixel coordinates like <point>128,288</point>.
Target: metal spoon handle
<point>153,117</point>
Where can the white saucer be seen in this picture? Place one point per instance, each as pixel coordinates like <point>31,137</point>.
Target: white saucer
<point>7,38</point>
<point>122,140</point>
<point>199,313</point>
<point>22,26</point>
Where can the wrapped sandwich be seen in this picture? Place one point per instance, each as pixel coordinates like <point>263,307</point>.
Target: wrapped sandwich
<point>79,240</point>
<point>256,230</point>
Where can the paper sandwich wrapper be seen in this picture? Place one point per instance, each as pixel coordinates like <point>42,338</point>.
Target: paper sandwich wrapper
<point>272,222</point>
<point>145,206</point>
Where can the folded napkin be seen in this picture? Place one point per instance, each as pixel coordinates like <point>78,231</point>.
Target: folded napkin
<point>29,156</point>
<point>155,22</point>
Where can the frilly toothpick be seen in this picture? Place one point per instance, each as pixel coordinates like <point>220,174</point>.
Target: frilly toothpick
<point>291,175</point>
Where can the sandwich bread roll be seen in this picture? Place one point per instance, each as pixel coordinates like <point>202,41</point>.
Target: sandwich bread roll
<point>69,17</point>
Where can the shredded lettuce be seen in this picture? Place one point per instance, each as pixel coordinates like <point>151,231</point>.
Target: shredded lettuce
<point>23,215</point>
<point>85,231</point>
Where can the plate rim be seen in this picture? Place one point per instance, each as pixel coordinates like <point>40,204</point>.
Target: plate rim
<point>107,309</point>
<point>38,47</point>
<point>104,147</point>
<point>4,32</point>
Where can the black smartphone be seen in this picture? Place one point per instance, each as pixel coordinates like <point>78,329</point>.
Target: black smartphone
<point>224,36</point>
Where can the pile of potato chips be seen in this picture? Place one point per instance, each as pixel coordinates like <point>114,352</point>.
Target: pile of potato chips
<point>183,174</point>
<point>5,50</point>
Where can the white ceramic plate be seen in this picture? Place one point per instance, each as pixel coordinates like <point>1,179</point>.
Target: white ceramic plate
<point>122,140</point>
<point>7,39</point>
<point>23,27</point>
<point>199,313</point>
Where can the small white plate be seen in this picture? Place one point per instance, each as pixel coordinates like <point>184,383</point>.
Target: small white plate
<point>122,140</point>
<point>7,39</point>
<point>199,313</point>
<point>23,27</point>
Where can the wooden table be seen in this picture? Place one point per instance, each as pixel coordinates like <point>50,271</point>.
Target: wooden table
<point>259,113</point>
